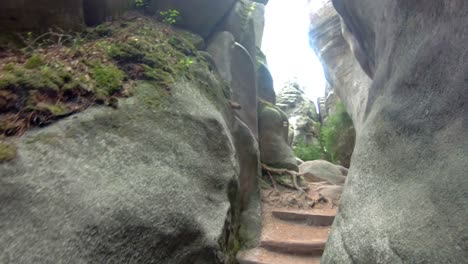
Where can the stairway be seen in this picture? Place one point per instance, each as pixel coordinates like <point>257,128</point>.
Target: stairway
<point>291,236</point>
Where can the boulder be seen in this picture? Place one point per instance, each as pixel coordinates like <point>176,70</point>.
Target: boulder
<point>154,181</point>
<point>199,16</point>
<point>331,192</point>
<point>405,200</point>
<point>344,171</point>
<point>321,170</point>
<point>244,87</point>
<point>273,137</point>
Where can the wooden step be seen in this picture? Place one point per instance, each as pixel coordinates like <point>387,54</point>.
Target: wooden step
<point>303,247</point>
<point>310,218</point>
<point>264,256</point>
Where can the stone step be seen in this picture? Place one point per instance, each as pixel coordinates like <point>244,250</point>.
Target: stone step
<point>293,237</point>
<point>264,256</point>
<point>310,218</point>
<point>303,247</point>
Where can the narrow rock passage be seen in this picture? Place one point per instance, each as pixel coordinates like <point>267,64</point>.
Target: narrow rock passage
<point>291,236</point>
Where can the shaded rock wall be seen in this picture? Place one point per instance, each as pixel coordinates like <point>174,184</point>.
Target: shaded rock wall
<point>68,14</point>
<point>33,14</point>
<point>199,16</point>
<point>411,124</point>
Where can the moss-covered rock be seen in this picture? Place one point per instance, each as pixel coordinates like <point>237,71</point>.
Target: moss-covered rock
<point>49,82</point>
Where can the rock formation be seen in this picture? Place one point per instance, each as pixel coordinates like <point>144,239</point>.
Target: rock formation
<point>273,126</point>
<point>301,112</point>
<point>169,175</point>
<point>322,170</point>
<point>405,196</point>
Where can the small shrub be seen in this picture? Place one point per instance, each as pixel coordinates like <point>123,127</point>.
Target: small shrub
<point>141,3</point>
<point>170,16</point>
<point>307,152</point>
<point>338,136</point>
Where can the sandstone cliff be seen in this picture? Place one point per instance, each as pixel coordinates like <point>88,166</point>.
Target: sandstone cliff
<point>169,175</point>
<point>405,197</point>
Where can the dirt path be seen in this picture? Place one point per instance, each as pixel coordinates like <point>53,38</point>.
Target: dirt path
<point>291,235</point>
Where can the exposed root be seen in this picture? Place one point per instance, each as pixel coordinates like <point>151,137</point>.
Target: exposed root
<point>294,175</point>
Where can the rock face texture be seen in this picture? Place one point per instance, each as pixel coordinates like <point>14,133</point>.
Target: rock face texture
<point>167,177</point>
<point>274,148</point>
<point>301,112</point>
<point>199,16</point>
<point>412,134</point>
<point>344,75</point>
<point>170,175</point>
<point>111,186</point>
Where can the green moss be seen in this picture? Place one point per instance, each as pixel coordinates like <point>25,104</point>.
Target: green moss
<point>160,76</point>
<point>7,152</point>
<point>9,67</point>
<point>42,78</point>
<point>183,45</point>
<point>108,78</point>
<point>132,51</point>
<point>34,62</point>
<point>54,109</point>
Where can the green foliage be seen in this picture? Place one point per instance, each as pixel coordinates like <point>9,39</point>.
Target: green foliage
<point>307,151</point>
<point>141,3</point>
<point>7,152</point>
<point>34,62</point>
<point>338,130</point>
<point>185,63</point>
<point>108,78</point>
<point>170,16</point>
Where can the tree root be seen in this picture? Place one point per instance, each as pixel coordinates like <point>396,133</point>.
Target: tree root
<point>292,173</point>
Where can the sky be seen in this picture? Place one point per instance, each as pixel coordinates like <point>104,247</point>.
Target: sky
<point>286,46</point>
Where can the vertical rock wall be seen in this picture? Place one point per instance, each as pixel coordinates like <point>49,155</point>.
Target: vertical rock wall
<point>405,196</point>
